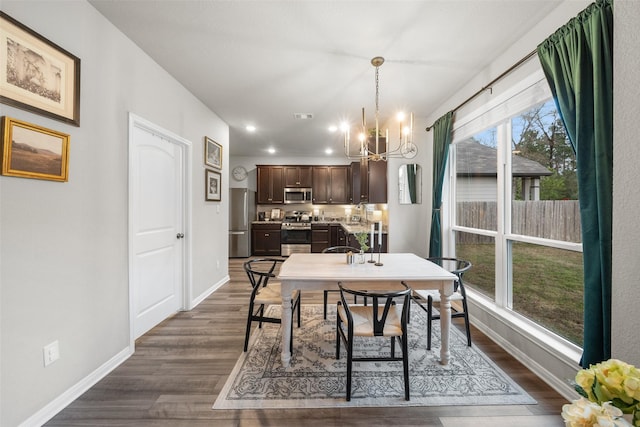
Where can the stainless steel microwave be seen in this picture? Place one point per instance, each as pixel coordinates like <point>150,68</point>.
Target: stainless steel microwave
<point>297,195</point>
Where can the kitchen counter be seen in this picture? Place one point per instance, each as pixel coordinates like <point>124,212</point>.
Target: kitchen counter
<point>349,228</point>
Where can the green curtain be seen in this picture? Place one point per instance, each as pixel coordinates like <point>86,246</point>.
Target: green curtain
<point>411,177</point>
<point>578,64</point>
<point>441,142</point>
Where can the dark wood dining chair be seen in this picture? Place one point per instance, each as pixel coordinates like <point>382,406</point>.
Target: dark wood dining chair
<point>382,318</point>
<point>335,250</point>
<point>265,292</point>
<point>430,296</point>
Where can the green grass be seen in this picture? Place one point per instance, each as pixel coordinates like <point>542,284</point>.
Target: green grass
<point>547,284</point>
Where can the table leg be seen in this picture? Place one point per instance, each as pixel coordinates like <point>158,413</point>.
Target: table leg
<point>445,323</point>
<point>286,323</point>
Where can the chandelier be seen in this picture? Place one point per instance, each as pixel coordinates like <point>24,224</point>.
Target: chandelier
<point>371,144</point>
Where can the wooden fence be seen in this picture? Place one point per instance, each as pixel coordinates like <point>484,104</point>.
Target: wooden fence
<point>549,219</point>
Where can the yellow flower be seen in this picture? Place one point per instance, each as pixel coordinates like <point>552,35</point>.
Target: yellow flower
<point>582,413</point>
<point>632,385</point>
<point>585,379</point>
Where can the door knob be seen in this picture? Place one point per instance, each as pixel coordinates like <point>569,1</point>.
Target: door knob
<point>179,236</point>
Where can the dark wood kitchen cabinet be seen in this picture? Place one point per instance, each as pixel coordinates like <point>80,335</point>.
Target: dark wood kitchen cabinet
<point>270,184</point>
<point>369,181</point>
<point>342,237</point>
<point>297,176</point>
<point>320,237</point>
<point>265,239</point>
<point>331,185</point>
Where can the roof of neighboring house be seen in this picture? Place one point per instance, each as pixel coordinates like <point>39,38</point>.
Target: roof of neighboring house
<point>475,159</point>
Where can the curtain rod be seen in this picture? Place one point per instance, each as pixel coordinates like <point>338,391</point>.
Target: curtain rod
<point>491,83</point>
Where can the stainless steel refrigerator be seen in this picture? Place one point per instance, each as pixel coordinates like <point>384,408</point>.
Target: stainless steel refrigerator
<point>242,211</point>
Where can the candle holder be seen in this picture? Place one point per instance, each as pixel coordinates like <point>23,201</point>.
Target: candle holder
<point>371,260</point>
<point>378,264</point>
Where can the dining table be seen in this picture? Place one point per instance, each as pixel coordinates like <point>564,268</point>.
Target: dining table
<point>320,271</point>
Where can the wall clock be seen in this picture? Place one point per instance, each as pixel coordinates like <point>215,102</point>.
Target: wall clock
<point>239,173</point>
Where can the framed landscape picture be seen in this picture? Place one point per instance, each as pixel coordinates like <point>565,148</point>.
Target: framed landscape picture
<point>212,153</point>
<point>37,75</point>
<point>213,186</point>
<point>31,151</point>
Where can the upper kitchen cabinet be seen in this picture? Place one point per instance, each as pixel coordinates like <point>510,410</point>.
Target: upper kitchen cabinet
<point>331,185</point>
<point>270,185</point>
<point>369,181</point>
<point>297,176</point>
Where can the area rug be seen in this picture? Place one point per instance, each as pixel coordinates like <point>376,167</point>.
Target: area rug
<point>315,379</point>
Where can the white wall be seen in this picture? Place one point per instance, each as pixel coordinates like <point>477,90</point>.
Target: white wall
<point>63,246</point>
<point>626,198</point>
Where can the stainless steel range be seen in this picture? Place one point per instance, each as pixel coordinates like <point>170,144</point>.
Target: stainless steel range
<point>295,233</point>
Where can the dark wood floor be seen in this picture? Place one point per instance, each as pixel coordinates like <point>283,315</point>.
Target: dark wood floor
<point>180,366</point>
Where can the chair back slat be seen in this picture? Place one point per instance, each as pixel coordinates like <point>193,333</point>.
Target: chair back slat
<point>260,270</point>
<point>379,316</point>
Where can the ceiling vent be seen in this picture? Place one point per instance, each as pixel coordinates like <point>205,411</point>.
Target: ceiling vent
<point>303,116</point>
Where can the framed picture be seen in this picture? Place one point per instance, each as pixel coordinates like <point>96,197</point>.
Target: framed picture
<point>31,151</point>
<point>212,153</point>
<point>36,74</point>
<point>212,186</point>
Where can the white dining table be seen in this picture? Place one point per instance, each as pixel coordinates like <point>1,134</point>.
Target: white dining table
<point>316,271</point>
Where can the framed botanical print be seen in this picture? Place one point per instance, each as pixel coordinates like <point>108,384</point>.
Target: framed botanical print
<point>213,186</point>
<point>31,151</point>
<point>212,153</point>
<point>37,75</point>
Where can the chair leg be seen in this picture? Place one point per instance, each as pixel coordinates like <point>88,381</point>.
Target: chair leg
<point>393,346</point>
<point>466,323</point>
<point>298,307</point>
<point>405,365</point>
<point>338,337</point>
<point>246,337</point>
<point>326,298</point>
<point>429,320</point>
<point>261,311</point>
<point>291,340</point>
<point>349,366</point>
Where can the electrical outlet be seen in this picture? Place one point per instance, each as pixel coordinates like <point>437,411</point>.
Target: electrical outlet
<point>51,353</point>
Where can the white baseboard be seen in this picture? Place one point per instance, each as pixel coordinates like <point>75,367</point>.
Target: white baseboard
<point>205,294</point>
<point>65,399</point>
<point>547,358</point>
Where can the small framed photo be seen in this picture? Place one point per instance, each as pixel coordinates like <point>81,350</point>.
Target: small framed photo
<point>37,75</point>
<point>212,153</point>
<point>212,186</point>
<point>31,151</point>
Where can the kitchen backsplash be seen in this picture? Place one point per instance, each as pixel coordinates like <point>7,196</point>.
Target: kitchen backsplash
<point>342,213</point>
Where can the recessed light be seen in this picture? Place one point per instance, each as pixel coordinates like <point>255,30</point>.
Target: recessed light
<point>250,128</point>
<point>333,128</point>
<point>271,150</point>
<point>328,151</point>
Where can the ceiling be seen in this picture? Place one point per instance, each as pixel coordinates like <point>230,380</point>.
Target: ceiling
<point>261,62</point>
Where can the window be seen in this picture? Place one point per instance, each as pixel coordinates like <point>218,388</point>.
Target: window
<point>515,214</point>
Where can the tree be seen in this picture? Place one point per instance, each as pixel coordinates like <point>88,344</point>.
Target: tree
<point>539,135</point>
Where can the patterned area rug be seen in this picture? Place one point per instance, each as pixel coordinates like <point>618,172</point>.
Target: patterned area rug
<point>315,379</point>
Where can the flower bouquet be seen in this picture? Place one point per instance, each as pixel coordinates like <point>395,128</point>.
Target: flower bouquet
<point>612,388</point>
<point>362,238</point>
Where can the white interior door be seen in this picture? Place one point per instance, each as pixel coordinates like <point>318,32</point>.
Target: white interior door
<point>157,227</point>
